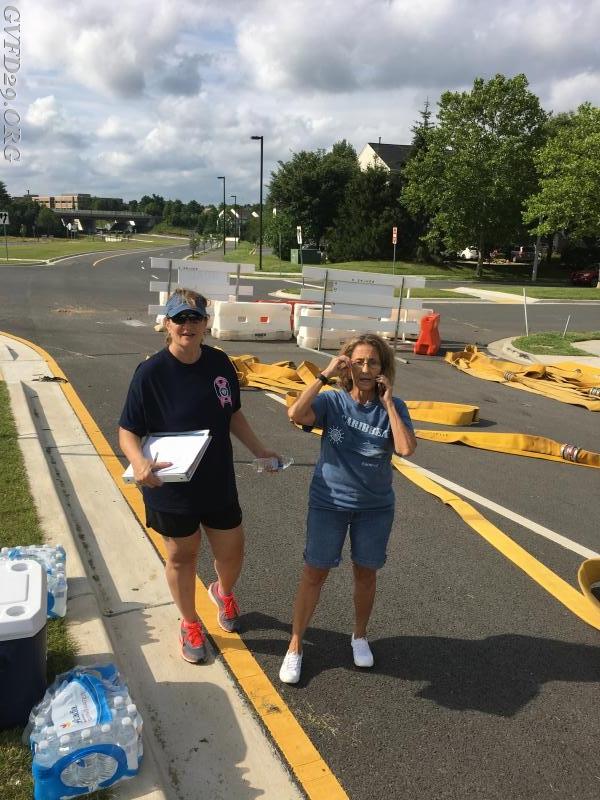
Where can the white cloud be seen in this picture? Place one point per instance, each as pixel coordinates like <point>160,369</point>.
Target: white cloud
<point>142,96</point>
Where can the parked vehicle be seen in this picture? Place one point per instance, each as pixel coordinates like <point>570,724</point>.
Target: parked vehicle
<point>469,254</point>
<point>585,277</point>
<point>522,254</point>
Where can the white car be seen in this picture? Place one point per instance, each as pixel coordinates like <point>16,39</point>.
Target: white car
<point>469,254</point>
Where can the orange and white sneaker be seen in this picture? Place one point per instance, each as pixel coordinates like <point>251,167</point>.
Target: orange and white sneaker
<point>193,642</point>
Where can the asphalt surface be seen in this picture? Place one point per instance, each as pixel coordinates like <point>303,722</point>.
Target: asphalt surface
<point>484,685</point>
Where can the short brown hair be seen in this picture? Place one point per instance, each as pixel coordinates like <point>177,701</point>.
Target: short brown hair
<point>191,297</point>
<point>384,351</point>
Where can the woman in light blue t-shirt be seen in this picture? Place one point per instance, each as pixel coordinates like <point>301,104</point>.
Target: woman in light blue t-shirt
<point>351,489</point>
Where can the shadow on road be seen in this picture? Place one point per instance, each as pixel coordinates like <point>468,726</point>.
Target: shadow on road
<point>498,675</point>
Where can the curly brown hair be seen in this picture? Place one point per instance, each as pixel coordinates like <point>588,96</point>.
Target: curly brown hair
<point>191,297</point>
<point>384,351</point>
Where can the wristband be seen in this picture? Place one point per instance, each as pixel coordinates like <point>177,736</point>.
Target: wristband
<point>325,381</point>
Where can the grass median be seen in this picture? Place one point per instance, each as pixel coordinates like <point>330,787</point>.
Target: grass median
<point>551,343</point>
<point>24,251</point>
<point>19,525</point>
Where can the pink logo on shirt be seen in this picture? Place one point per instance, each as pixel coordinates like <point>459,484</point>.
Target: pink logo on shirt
<point>223,391</point>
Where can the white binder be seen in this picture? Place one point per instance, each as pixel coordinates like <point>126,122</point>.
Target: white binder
<point>184,450</point>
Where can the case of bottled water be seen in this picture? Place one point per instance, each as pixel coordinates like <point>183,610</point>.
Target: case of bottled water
<point>53,559</point>
<point>22,639</point>
<point>86,734</point>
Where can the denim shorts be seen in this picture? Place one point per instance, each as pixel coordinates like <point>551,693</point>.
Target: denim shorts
<point>326,530</point>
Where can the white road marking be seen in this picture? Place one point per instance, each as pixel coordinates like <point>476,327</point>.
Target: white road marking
<point>135,323</point>
<point>530,525</point>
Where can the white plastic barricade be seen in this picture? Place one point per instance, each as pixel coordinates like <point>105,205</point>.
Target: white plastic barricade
<point>210,278</point>
<point>337,328</point>
<point>298,310</point>
<point>406,315</point>
<point>364,297</point>
<point>246,322</point>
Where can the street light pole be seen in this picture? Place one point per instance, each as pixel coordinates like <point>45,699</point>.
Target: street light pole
<point>260,254</point>
<point>235,224</point>
<point>222,178</point>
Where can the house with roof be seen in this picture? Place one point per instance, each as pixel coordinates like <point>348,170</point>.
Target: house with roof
<point>390,156</point>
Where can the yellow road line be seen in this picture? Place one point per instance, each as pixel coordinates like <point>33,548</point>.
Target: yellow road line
<point>574,601</point>
<point>313,774</point>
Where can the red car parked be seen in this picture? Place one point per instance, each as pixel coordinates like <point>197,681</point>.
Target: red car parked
<point>585,277</point>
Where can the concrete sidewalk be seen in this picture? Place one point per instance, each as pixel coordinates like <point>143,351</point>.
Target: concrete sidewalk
<point>201,739</point>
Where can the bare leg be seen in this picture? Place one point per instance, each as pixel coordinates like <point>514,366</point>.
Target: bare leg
<point>228,550</point>
<point>365,584</point>
<point>180,571</point>
<point>307,597</point>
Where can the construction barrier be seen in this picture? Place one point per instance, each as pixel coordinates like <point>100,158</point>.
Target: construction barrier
<point>406,315</point>
<point>428,342</point>
<point>337,328</point>
<point>246,322</point>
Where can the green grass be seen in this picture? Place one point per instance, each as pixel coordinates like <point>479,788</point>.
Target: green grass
<point>19,524</point>
<point>552,292</point>
<point>515,275</point>
<point>550,343</point>
<point>426,293</point>
<point>30,250</point>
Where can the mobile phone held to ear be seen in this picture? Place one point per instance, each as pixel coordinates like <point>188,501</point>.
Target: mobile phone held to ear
<point>381,388</point>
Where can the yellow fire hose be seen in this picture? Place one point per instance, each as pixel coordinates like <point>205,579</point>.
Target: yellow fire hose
<point>287,379</point>
<point>577,384</point>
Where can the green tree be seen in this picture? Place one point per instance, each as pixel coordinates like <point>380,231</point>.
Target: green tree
<point>476,167</point>
<point>5,201</point>
<point>309,188</point>
<point>194,243</point>
<point>47,221</point>
<point>371,208</point>
<point>568,167</point>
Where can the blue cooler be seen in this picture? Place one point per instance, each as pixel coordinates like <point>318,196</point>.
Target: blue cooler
<point>23,648</point>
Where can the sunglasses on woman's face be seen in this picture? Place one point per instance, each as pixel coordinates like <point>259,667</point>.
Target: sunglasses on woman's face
<point>181,319</point>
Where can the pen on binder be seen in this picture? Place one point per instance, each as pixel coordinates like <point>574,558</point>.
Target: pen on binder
<point>155,458</point>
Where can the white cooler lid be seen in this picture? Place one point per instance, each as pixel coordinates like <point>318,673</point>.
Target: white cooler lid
<point>23,599</point>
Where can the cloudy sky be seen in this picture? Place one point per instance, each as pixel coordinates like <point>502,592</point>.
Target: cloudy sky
<point>138,96</point>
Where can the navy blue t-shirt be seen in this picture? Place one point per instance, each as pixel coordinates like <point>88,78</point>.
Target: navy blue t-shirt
<point>354,470</point>
<point>166,395</point>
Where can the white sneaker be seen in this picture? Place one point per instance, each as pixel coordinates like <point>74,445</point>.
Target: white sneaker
<point>291,668</point>
<point>363,657</point>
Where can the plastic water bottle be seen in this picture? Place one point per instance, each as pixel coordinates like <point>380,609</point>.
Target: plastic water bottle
<point>128,741</point>
<point>43,755</point>
<point>57,586</point>
<point>272,464</point>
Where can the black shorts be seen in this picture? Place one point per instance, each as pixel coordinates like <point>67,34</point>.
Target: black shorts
<point>176,526</point>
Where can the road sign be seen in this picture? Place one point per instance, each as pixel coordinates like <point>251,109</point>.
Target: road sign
<point>4,218</point>
<point>299,234</point>
<point>394,235</point>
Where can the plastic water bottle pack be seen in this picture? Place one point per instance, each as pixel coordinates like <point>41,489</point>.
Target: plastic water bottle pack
<point>86,734</point>
<point>53,560</point>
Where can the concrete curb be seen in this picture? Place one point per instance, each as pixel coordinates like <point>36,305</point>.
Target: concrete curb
<point>119,610</point>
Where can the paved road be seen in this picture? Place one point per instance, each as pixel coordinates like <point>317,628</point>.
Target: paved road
<point>484,685</point>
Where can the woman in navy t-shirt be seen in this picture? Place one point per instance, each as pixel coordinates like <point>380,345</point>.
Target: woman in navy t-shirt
<point>191,386</point>
<point>351,489</point>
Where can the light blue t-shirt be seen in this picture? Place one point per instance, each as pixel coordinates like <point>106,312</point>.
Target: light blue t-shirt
<point>354,470</point>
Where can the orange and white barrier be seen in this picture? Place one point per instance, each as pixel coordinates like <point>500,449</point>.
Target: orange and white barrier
<point>246,322</point>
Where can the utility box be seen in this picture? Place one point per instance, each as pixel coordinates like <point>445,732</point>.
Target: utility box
<point>23,645</point>
<point>309,256</point>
